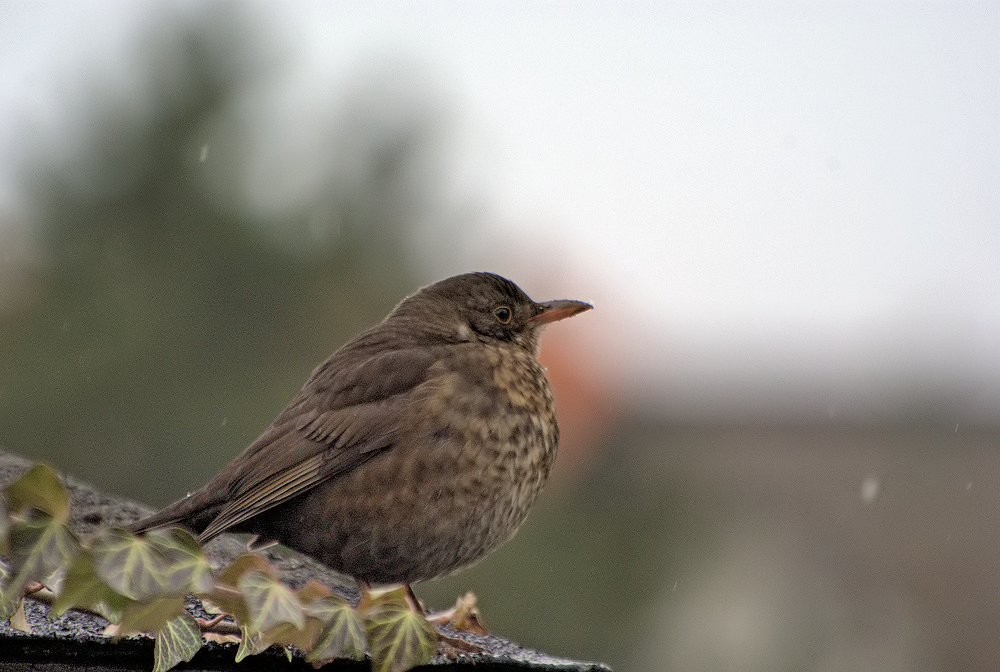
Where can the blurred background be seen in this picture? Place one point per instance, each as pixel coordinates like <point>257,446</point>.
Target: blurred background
<point>781,447</point>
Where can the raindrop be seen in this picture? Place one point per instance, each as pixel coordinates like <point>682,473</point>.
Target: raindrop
<point>870,487</point>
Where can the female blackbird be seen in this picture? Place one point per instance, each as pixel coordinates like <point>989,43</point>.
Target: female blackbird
<point>413,451</point>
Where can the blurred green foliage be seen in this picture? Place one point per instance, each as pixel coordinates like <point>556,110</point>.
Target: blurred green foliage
<point>167,325</point>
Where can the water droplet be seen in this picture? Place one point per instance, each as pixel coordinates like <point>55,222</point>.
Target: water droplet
<point>870,487</point>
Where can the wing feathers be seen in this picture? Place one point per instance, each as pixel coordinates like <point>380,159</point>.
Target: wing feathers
<point>265,495</point>
<point>335,442</point>
<point>348,412</point>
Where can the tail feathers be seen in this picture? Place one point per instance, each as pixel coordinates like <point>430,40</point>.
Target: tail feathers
<point>191,513</point>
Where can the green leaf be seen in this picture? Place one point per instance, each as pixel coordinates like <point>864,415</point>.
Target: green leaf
<point>174,539</point>
<point>399,638</point>
<point>162,564</point>
<point>153,615</point>
<point>229,600</point>
<point>129,564</point>
<point>83,588</point>
<point>183,567</point>
<point>270,602</point>
<point>39,488</point>
<point>230,574</point>
<point>312,591</point>
<point>176,642</point>
<point>226,593</point>
<point>7,608</point>
<point>343,634</point>
<point>251,644</point>
<point>304,638</point>
<point>40,550</point>
<point>275,614</point>
<point>287,634</point>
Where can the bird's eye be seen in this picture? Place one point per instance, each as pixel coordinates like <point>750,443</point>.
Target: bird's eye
<point>503,314</point>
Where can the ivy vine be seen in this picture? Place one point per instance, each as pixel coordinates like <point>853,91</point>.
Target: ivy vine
<point>141,583</point>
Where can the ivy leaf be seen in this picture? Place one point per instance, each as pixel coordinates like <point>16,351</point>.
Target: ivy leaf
<point>343,633</point>
<point>40,550</point>
<point>129,564</point>
<point>275,614</point>
<point>39,488</point>
<point>228,600</point>
<point>270,602</point>
<point>230,574</point>
<point>400,639</point>
<point>83,588</point>
<point>312,591</point>
<point>251,644</point>
<point>152,615</point>
<point>183,567</point>
<point>176,642</point>
<point>288,633</point>
<point>226,594</point>
<point>7,608</point>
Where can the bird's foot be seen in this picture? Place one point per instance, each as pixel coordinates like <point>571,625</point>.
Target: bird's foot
<point>464,616</point>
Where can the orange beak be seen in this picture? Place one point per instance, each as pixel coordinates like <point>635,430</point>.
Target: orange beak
<point>553,311</point>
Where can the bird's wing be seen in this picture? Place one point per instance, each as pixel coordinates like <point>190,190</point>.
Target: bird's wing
<point>339,421</point>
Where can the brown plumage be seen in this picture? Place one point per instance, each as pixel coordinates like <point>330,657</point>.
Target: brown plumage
<point>413,451</point>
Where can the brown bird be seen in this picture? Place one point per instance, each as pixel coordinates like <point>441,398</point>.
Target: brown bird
<point>413,451</point>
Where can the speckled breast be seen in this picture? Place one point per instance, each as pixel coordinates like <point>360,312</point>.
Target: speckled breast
<point>467,463</point>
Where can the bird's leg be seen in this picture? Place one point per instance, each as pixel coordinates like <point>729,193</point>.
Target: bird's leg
<point>415,603</point>
<point>437,618</point>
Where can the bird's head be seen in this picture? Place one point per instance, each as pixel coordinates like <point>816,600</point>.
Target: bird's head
<point>484,307</point>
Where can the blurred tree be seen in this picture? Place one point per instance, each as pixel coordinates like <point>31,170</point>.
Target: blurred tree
<point>168,326</point>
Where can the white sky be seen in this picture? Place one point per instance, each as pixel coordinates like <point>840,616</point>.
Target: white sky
<point>794,190</point>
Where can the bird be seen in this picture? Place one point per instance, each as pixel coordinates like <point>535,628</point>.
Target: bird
<point>413,451</point>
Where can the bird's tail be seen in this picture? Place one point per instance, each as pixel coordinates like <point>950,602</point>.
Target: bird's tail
<point>192,513</point>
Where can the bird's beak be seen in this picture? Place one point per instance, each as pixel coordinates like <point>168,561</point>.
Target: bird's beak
<point>553,311</point>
